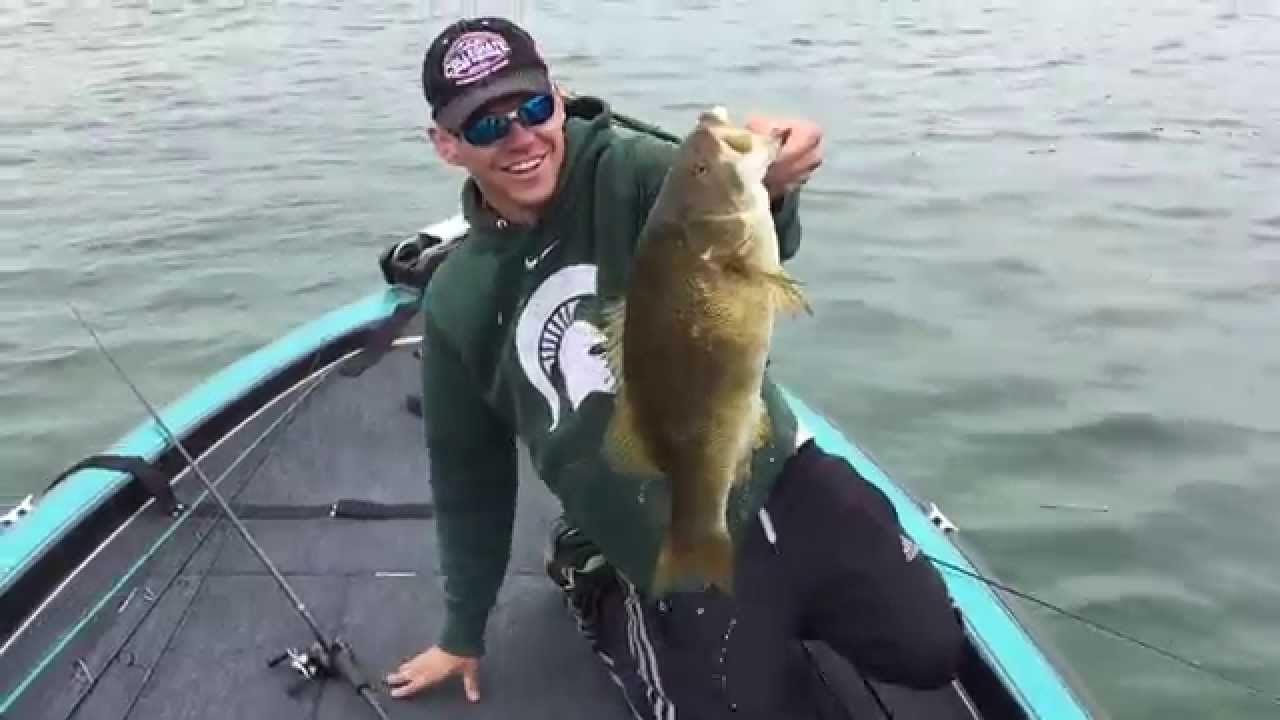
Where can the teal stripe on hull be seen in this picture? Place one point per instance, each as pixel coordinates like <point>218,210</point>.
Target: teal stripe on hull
<point>1023,667</point>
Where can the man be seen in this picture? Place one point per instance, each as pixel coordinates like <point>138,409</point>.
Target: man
<point>556,197</point>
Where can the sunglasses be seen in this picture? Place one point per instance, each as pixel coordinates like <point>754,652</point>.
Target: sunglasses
<point>489,129</point>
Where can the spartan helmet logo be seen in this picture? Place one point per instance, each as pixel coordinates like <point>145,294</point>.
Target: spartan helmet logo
<point>561,354</point>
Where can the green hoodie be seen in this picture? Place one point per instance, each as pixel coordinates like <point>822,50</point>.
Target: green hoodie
<point>509,351</point>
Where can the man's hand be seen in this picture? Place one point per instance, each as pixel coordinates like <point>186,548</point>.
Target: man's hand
<point>431,667</point>
<point>801,152</point>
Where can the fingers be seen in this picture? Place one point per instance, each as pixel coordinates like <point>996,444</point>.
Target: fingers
<point>430,668</point>
<point>802,152</point>
<point>799,137</point>
<point>800,155</point>
<point>405,685</point>
<point>470,684</point>
<point>415,675</point>
<point>409,679</point>
<point>760,124</point>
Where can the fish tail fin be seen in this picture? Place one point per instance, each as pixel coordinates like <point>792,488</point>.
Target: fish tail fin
<point>709,560</point>
<point>625,449</point>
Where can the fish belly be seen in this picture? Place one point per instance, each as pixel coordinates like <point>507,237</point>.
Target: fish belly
<point>703,418</point>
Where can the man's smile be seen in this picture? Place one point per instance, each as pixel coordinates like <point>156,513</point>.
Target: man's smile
<point>525,167</point>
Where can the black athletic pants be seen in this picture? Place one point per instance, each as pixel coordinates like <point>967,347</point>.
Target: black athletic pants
<point>827,561</point>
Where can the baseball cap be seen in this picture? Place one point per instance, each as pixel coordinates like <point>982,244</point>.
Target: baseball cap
<point>476,60</point>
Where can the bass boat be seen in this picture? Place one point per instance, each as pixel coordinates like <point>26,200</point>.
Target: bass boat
<point>127,590</point>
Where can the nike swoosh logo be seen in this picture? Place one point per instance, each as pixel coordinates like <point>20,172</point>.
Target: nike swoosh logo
<point>532,262</point>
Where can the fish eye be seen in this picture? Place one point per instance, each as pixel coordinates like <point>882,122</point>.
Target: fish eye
<point>700,169</point>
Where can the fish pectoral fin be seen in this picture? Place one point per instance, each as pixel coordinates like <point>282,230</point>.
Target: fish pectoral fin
<point>787,292</point>
<point>742,470</point>
<point>759,438</point>
<point>624,448</point>
<point>762,425</point>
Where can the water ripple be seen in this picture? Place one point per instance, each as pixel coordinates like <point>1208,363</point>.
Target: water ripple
<point>1132,317</point>
<point>1122,432</point>
<point>954,72</point>
<point>1018,266</point>
<point>1174,212</point>
<point>987,135</point>
<point>1127,136</point>
<point>1123,178</point>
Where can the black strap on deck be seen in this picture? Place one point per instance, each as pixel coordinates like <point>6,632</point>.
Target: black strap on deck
<point>342,509</point>
<point>408,263</point>
<point>155,482</point>
<point>379,340</point>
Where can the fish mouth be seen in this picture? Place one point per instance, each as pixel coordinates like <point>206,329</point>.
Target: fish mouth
<point>742,141</point>
<point>716,119</point>
<point>747,143</point>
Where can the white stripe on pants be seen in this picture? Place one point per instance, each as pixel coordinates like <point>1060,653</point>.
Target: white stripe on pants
<point>654,705</point>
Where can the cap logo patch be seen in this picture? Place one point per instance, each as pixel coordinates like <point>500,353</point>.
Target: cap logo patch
<point>474,56</point>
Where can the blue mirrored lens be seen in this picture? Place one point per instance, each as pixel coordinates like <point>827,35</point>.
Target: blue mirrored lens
<point>536,110</point>
<point>489,129</point>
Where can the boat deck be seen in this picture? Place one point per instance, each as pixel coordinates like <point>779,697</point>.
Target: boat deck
<point>191,634</point>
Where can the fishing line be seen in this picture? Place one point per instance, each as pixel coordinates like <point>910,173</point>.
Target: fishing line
<point>1167,654</point>
<point>336,652</point>
<point>276,429</point>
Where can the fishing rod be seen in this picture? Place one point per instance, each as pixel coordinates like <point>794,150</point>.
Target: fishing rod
<point>332,658</point>
<point>1266,695</point>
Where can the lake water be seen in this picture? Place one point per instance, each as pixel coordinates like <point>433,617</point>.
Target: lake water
<point>1043,252</point>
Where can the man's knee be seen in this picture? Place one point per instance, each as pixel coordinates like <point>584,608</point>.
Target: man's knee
<point>927,656</point>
